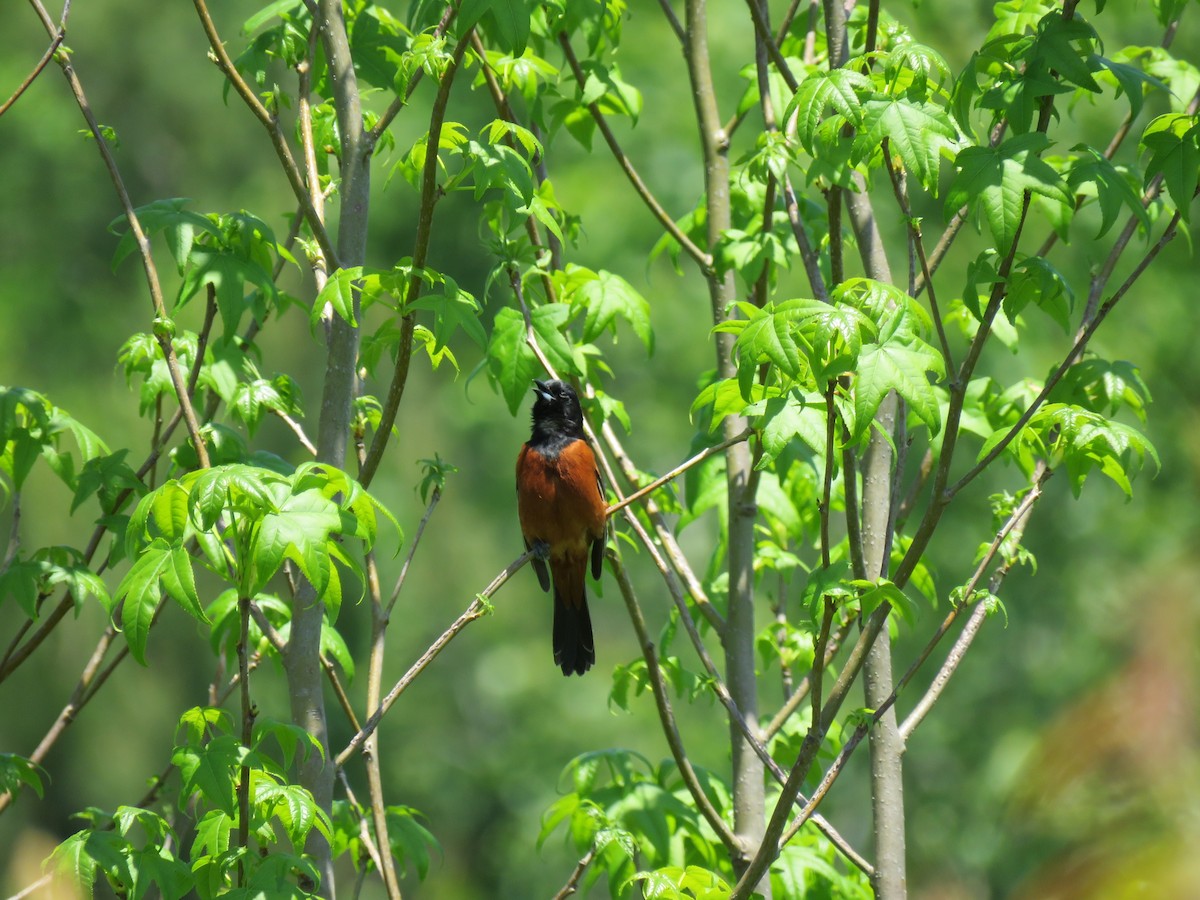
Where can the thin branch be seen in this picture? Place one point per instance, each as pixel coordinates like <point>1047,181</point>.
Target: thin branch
<point>298,430</point>
<point>434,499</point>
<point>704,260</point>
<point>248,714</point>
<point>864,727</point>
<point>161,334</point>
<point>399,103</point>
<point>379,623</point>
<point>477,609</point>
<point>429,197</point>
<point>1013,528</point>
<point>1073,354</point>
<point>677,471</point>
<point>666,715</point>
<point>762,34</point>
<point>832,646</point>
<point>572,884</point>
<point>810,258</point>
<point>278,139</point>
<point>673,21</point>
<point>670,545</point>
<point>918,242</point>
<point>364,831</point>
<point>55,43</point>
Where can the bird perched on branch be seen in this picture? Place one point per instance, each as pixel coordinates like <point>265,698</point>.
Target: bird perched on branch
<point>561,505</point>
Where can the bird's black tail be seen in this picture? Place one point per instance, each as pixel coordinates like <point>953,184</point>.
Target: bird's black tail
<point>574,649</point>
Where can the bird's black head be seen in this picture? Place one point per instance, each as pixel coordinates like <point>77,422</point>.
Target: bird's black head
<point>556,411</point>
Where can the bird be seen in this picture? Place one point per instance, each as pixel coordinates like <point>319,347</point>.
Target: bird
<point>563,513</point>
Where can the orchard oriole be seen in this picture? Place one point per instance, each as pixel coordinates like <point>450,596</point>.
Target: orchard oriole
<point>561,505</point>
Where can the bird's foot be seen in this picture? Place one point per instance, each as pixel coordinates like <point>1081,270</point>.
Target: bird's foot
<point>541,550</point>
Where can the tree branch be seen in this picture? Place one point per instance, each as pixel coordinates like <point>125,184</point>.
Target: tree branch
<point>429,197</point>
<point>704,260</point>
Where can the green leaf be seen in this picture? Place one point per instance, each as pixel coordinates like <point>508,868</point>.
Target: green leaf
<point>1065,46</point>
<point>604,86</point>
<point>73,859</point>
<point>180,583</point>
<point>1035,280</point>
<point>295,808</point>
<point>1132,82</point>
<point>768,335</point>
<point>899,367</point>
<point>1080,440</point>
<point>140,591</point>
<point>16,771</point>
<point>507,21</point>
<point>1095,176</point>
<point>992,181</point>
<point>229,274</point>
<point>909,67</point>
<point>549,323</point>
<point>179,225</point>
<point>511,362</point>
<point>917,132</point>
<point>840,88</point>
<point>241,489</point>
<point>607,297</point>
<point>723,398</point>
<point>299,530</point>
<point>876,593</point>
<point>790,417</point>
<point>210,770</point>
<point>340,294</point>
<point>1173,142</point>
<point>453,309</point>
<point>213,833</point>
<point>106,475</point>
<point>410,840</point>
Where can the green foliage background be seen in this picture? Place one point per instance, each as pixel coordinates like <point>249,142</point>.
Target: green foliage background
<point>1068,739</point>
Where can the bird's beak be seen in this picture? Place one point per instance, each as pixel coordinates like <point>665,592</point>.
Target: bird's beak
<point>539,388</point>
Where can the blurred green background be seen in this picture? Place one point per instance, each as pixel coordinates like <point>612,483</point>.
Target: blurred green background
<point>1061,762</point>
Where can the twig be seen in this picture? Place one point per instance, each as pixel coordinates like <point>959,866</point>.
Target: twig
<point>434,498</point>
<point>670,545</point>
<point>161,335</point>
<point>704,260</point>
<point>666,715</point>
<point>864,727</point>
<point>364,831</point>
<point>1073,354</point>
<point>572,884</point>
<point>762,34</point>
<point>55,43</point>
<point>298,430</point>
<point>248,715</point>
<point>793,702</point>
<point>677,471</point>
<point>278,139</point>
<point>399,103</point>
<point>914,230</point>
<point>1015,526</point>
<point>477,609</point>
<point>811,260</point>
<point>429,197</point>
<point>379,623</point>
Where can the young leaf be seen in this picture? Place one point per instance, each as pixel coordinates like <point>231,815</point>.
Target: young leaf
<point>1173,141</point>
<point>511,362</point>
<point>607,297</point>
<point>902,367</point>
<point>992,182</point>
<point>1097,177</point>
<point>840,89</point>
